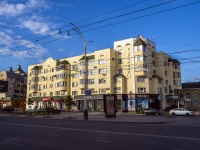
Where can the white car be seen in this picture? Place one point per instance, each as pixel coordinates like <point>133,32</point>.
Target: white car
<point>181,111</point>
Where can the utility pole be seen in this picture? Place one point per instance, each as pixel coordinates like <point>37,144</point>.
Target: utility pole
<point>85,112</point>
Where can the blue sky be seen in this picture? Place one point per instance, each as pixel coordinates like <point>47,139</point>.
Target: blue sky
<point>33,30</point>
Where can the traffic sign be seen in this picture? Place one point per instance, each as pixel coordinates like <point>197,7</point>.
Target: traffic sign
<point>88,92</point>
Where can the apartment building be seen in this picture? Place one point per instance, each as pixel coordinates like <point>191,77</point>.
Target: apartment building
<point>191,92</point>
<point>132,70</point>
<point>14,84</point>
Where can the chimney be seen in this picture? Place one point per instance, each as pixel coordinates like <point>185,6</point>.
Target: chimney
<point>19,66</point>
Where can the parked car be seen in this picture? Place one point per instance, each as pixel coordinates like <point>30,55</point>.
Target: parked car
<point>7,109</point>
<point>53,111</point>
<point>151,111</point>
<point>181,111</point>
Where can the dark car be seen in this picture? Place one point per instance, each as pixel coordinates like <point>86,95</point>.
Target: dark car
<point>53,111</point>
<point>151,111</point>
<point>7,109</point>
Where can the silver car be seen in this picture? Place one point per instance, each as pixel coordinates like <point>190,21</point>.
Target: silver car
<point>181,111</point>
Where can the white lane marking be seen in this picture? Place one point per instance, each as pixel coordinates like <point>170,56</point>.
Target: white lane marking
<point>53,134</point>
<point>176,149</point>
<point>15,143</point>
<point>103,141</point>
<point>110,132</point>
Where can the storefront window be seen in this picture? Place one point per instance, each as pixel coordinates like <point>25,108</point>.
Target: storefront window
<point>99,105</point>
<point>90,105</point>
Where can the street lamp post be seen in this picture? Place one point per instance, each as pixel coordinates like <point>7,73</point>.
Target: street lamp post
<point>85,112</point>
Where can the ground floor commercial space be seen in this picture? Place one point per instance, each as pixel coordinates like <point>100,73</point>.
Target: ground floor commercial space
<point>56,102</point>
<point>123,102</point>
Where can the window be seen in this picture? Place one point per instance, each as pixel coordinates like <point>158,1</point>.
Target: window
<point>44,94</point>
<point>82,62</point>
<point>141,79</point>
<point>141,68</point>
<point>90,81</point>
<point>141,90</point>
<point>120,52</point>
<point>117,90</point>
<point>139,48</point>
<point>51,93</point>
<point>74,67</point>
<point>177,66</point>
<point>57,93</point>
<point>102,71</point>
<point>81,72</point>
<point>91,72</point>
<point>44,86</point>
<point>34,72</point>
<point>74,84</point>
<point>102,81</point>
<point>120,71</point>
<point>102,61</point>
<point>154,63</point>
<point>119,61</point>
<point>75,75</point>
<point>166,73</point>
<point>51,85</point>
<point>102,91</point>
<point>82,81</point>
<point>140,58</point>
<point>117,80</point>
<point>154,72</point>
<point>90,62</point>
<point>61,84</point>
<point>153,54</point>
<point>166,82</point>
<point>74,92</point>
<point>82,91</point>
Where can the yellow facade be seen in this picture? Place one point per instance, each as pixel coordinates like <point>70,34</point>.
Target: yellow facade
<point>133,66</point>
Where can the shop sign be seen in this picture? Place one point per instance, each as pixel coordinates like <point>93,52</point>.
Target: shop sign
<point>142,95</point>
<point>46,99</point>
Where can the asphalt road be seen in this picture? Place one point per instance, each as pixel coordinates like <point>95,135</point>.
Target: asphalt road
<point>23,133</point>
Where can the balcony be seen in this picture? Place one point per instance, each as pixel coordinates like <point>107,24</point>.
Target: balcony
<point>140,73</point>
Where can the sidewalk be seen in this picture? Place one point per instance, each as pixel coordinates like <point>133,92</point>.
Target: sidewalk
<point>120,117</point>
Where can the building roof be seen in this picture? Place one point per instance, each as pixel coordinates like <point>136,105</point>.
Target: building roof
<point>192,85</point>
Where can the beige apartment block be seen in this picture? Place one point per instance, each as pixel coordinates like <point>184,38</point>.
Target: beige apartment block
<point>132,70</point>
<point>13,87</point>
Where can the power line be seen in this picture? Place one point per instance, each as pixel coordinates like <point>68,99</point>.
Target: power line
<point>134,18</point>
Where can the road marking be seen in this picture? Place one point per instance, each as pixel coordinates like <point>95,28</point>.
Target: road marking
<point>101,131</point>
<point>15,143</point>
<point>103,141</point>
<point>53,134</point>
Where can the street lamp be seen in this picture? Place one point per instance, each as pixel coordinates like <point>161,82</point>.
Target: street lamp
<point>85,112</point>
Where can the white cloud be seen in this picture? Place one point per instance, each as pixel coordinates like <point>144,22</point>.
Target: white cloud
<point>13,10</point>
<point>36,27</point>
<point>5,39</point>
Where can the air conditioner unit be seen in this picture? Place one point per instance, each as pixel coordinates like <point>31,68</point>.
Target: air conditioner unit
<point>95,67</point>
<point>104,74</point>
<point>107,88</point>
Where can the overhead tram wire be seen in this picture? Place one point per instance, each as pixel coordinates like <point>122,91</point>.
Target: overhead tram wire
<point>133,19</point>
<point>107,19</point>
<point>95,23</point>
<point>136,11</point>
<point>84,19</point>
